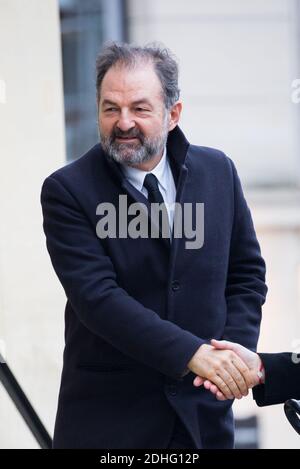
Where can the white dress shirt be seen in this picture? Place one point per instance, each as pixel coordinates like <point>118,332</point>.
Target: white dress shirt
<point>165,179</point>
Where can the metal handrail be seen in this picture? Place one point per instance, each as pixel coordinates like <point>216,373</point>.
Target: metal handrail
<point>23,405</point>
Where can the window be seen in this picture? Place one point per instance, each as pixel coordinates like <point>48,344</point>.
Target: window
<point>85,26</point>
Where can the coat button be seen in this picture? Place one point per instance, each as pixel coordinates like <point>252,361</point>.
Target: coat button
<point>175,285</point>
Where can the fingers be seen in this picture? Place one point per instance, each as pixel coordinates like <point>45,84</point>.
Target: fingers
<point>240,374</point>
<point>227,383</point>
<point>232,370</point>
<point>246,373</point>
<point>231,374</point>
<point>214,390</point>
<point>220,396</point>
<point>223,344</point>
<point>246,363</point>
<point>198,381</point>
<point>211,387</point>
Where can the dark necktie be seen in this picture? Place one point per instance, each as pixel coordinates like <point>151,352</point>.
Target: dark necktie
<point>151,184</point>
<point>154,196</point>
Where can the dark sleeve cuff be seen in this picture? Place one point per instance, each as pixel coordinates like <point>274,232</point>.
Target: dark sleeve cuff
<point>282,379</point>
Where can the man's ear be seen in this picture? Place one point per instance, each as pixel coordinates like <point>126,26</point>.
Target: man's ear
<point>175,112</point>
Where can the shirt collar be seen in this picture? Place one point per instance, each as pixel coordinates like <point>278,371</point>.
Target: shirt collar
<point>136,176</point>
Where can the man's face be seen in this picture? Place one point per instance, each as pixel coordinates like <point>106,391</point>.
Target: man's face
<point>133,120</point>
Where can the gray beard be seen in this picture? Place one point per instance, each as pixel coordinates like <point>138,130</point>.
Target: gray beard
<point>134,153</point>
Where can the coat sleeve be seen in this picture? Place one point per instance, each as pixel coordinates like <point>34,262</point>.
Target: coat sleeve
<point>90,283</point>
<point>245,288</point>
<point>282,379</point>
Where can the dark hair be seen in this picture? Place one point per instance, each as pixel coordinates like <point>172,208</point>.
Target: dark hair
<point>129,55</point>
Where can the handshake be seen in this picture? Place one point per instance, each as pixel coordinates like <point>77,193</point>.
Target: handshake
<point>226,369</point>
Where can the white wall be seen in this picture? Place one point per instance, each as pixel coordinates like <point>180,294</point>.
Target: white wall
<point>31,146</point>
<point>237,63</point>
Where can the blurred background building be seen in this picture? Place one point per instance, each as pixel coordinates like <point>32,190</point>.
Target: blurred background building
<point>238,62</point>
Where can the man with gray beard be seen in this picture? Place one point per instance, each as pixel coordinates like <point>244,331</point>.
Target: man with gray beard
<point>141,311</point>
<point>143,148</point>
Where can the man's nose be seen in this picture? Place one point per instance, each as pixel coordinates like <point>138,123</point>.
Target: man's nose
<point>125,122</point>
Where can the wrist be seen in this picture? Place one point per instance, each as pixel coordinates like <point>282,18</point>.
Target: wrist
<point>196,360</point>
<point>261,372</point>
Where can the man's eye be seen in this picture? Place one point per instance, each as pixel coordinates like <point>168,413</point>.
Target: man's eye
<point>141,109</point>
<point>111,109</point>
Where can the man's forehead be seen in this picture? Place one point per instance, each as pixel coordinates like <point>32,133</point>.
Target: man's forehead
<point>138,82</point>
<point>112,98</point>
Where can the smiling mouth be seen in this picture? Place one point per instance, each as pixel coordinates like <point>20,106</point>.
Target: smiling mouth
<point>126,139</point>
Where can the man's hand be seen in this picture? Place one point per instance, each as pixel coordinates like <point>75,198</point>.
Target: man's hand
<point>222,368</point>
<point>251,359</point>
